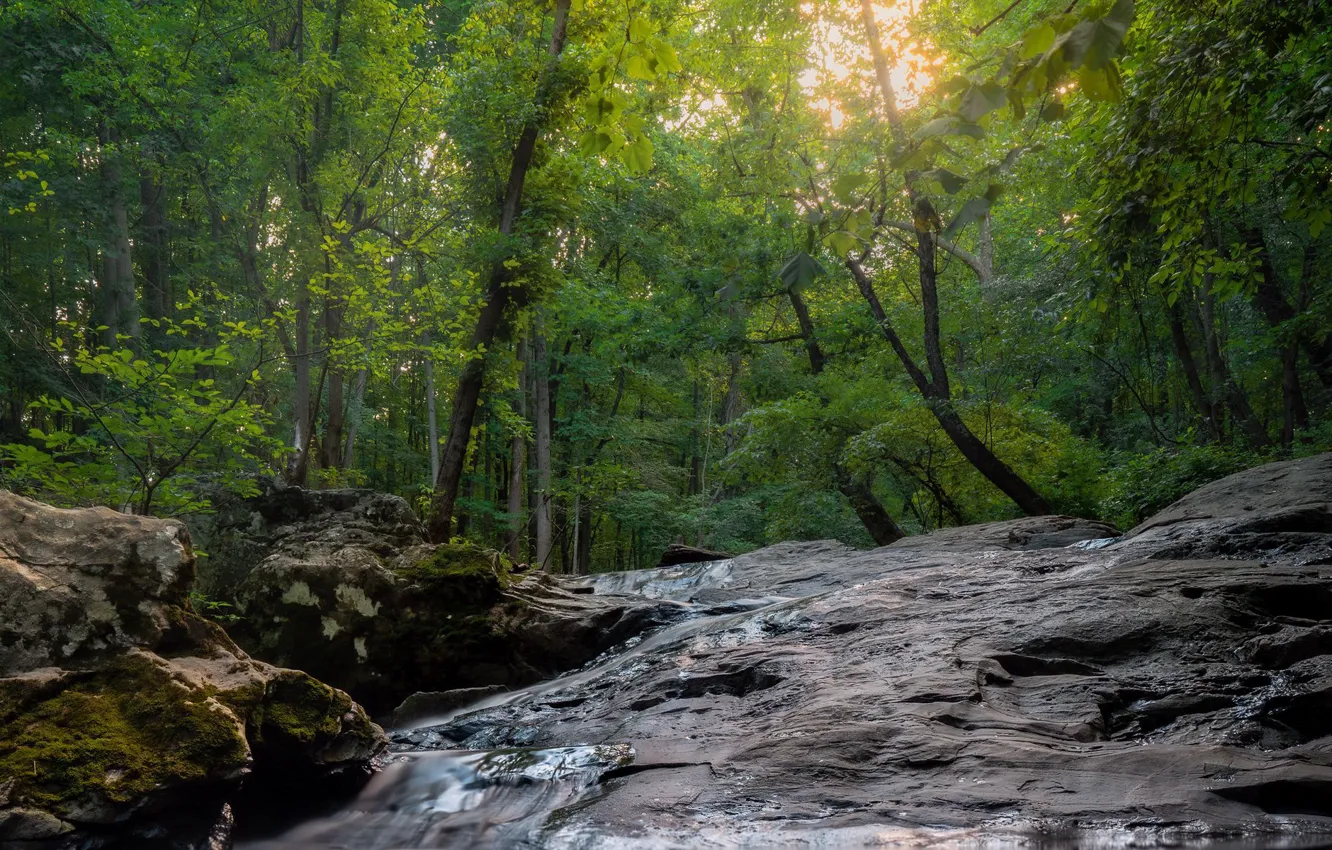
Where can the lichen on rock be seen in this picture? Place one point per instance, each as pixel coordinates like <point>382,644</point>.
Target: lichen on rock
<point>116,697</point>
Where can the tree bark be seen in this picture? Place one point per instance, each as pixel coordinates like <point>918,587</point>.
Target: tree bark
<point>985,252</point>
<point>936,395</point>
<point>154,252</point>
<point>934,389</point>
<point>1273,304</point>
<point>116,306</point>
<point>432,413</point>
<point>298,463</point>
<point>1184,353</point>
<point>354,418</point>
<point>881,527</point>
<point>541,377</point>
<point>816,359</point>
<point>499,292</point>
<point>518,459</point>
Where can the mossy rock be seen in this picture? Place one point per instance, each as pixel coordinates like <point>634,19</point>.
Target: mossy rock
<point>469,576</point>
<point>111,739</point>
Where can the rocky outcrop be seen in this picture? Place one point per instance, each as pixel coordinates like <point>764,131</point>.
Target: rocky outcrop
<point>242,532</point>
<point>1123,695</point>
<point>117,700</point>
<point>351,593</point>
<point>1277,512</point>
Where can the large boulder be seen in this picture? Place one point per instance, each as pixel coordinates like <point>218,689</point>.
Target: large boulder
<point>118,700</point>
<point>351,592</point>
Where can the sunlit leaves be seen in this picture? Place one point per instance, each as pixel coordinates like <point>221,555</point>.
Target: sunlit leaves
<point>949,125</point>
<point>1038,40</point>
<point>846,186</point>
<point>638,155</point>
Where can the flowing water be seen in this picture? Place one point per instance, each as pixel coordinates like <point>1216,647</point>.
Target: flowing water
<point>466,780</point>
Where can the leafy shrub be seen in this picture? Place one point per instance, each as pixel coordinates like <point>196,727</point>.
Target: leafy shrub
<point>1141,485</point>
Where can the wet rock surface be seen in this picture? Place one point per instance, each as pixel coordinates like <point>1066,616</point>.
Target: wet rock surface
<point>349,591</point>
<point>984,692</point>
<point>120,708</point>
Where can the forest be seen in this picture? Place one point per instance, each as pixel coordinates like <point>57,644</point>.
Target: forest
<point>580,279</point>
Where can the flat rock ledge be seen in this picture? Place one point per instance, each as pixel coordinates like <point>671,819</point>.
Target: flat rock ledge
<point>120,707</point>
<point>1175,681</point>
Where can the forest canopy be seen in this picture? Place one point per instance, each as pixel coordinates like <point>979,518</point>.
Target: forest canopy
<point>580,278</point>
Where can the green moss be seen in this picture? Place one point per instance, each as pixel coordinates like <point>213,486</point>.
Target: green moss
<point>459,560</point>
<point>468,575</point>
<point>296,711</point>
<point>300,708</point>
<point>118,735</point>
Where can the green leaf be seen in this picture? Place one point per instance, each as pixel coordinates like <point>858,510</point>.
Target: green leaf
<point>1095,43</point>
<point>593,142</point>
<point>800,271</point>
<point>1053,111</point>
<point>937,127</point>
<point>841,241</point>
<point>1037,41</point>
<point>973,210</point>
<point>952,183</point>
<point>638,156</point>
<point>640,29</point>
<point>845,186</point>
<point>1101,85</point>
<point>666,56</point>
<point>641,68</point>
<point>978,101</point>
<point>951,125</point>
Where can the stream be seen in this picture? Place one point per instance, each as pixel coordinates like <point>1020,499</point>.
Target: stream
<point>522,770</point>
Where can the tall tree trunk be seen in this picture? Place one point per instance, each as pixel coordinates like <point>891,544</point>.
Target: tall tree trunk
<point>541,378</point>
<point>154,252</point>
<point>935,388</point>
<point>583,537</point>
<point>881,527</point>
<point>695,437</point>
<point>330,449</point>
<point>499,292</point>
<point>936,395</point>
<point>354,416</point>
<point>116,306</point>
<point>1273,304</point>
<point>1224,393</point>
<point>1184,353</point>
<point>816,358</point>
<point>1294,413</point>
<point>985,253</point>
<point>517,462</point>
<point>298,464</point>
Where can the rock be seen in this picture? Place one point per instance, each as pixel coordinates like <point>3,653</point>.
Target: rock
<point>351,593</point>
<point>800,569</point>
<point>985,684</point>
<point>242,532</point>
<point>1025,534</point>
<point>678,553</point>
<point>425,704</point>
<point>1280,512</point>
<point>116,699</point>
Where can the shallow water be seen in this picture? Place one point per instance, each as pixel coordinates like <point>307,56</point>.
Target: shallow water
<point>484,795</point>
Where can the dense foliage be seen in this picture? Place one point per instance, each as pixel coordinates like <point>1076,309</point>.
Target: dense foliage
<point>583,279</point>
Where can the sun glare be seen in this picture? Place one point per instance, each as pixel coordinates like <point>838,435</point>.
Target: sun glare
<point>840,60</point>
